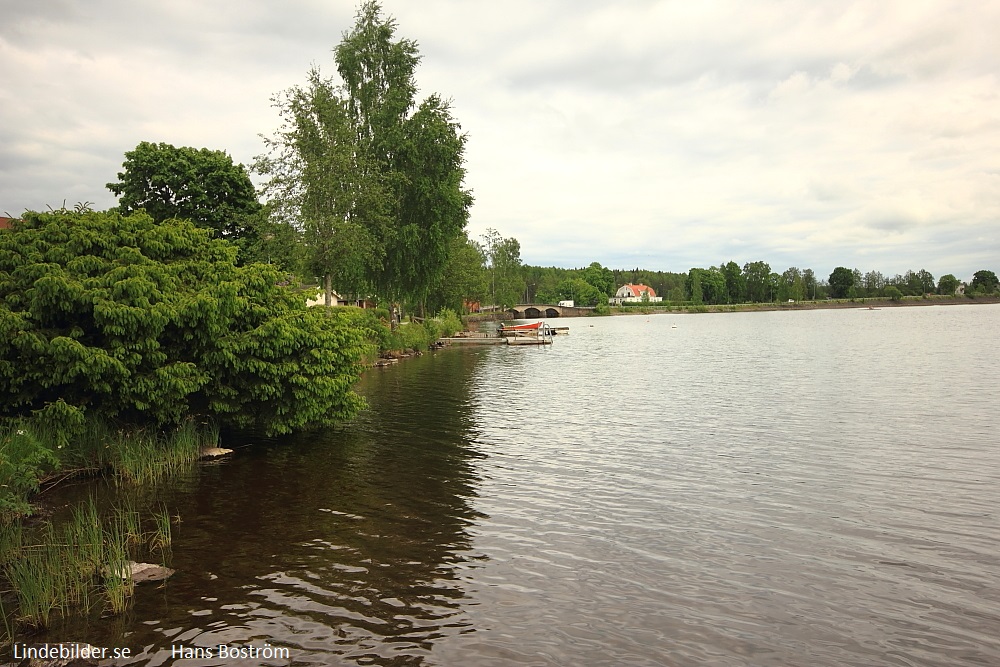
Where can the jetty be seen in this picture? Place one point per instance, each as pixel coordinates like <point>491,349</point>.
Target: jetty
<point>479,338</point>
<point>536,333</point>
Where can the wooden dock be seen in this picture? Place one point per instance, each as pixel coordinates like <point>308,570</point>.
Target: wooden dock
<point>477,338</point>
<point>510,336</point>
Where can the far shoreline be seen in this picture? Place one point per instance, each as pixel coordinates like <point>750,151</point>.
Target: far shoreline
<point>829,304</point>
<point>798,306</point>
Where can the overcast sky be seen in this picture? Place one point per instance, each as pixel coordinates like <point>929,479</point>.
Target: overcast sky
<point>663,135</point>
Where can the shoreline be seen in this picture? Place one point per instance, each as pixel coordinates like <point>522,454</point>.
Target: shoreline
<point>837,304</point>
<point>831,304</point>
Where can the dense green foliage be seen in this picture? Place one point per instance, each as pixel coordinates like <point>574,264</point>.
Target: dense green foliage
<point>263,240</point>
<point>118,317</point>
<point>200,185</point>
<point>753,283</point>
<point>24,460</point>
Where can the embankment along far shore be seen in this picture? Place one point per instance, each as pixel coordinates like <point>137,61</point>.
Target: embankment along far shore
<point>825,304</point>
<point>819,305</point>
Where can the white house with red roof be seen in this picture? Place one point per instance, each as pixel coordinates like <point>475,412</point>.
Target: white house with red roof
<point>634,294</point>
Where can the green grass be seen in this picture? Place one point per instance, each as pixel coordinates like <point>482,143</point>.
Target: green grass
<point>143,457</point>
<point>33,451</point>
<point>161,537</point>
<point>58,569</point>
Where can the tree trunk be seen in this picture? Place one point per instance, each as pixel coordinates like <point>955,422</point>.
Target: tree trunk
<point>328,290</point>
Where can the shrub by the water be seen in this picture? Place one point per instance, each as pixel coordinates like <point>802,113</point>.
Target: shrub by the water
<point>150,323</point>
<point>448,323</point>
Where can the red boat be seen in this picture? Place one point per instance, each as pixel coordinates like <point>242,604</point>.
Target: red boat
<point>532,330</point>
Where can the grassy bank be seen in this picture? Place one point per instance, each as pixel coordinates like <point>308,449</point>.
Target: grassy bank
<point>408,336</point>
<point>35,454</point>
<point>49,567</point>
<point>79,564</point>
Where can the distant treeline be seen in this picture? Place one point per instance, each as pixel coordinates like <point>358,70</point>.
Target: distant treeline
<point>730,283</point>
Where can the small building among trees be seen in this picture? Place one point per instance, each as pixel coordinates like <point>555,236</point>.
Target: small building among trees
<point>634,294</point>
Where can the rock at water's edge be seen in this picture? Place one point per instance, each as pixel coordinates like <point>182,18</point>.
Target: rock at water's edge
<point>215,452</point>
<point>142,572</point>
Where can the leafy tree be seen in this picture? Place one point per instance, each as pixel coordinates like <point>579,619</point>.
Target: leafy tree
<point>319,179</point>
<point>790,285</point>
<point>874,283</point>
<point>947,284</point>
<point>434,207</point>
<point>910,284</point>
<point>541,282</point>
<point>809,283</point>
<point>504,268</point>
<point>758,282</point>
<point>706,286</point>
<point>713,286</point>
<point>841,283</point>
<point>984,281</point>
<point>124,318</point>
<point>267,241</point>
<point>464,279</point>
<point>200,185</point>
<point>918,282</point>
<point>600,278</point>
<point>893,293</point>
<point>693,288</point>
<point>418,156</point>
<point>859,283</point>
<point>736,284</point>
<point>581,292</point>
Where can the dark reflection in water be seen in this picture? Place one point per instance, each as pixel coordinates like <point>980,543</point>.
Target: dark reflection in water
<point>338,545</point>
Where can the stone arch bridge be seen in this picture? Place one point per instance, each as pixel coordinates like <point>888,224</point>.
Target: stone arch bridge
<point>534,311</point>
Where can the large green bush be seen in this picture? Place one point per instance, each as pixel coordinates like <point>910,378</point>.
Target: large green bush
<point>148,323</point>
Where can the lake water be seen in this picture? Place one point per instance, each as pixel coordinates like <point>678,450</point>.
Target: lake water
<point>776,488</point>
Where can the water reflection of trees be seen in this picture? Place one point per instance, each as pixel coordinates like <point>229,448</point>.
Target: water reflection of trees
<point>343,542</point>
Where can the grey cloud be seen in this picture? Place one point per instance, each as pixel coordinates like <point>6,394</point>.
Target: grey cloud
<point>630,133</point>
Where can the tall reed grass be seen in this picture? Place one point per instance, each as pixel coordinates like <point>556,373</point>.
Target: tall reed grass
<point>55,569</point>
<point>143,457</point>
<point>83,560</point>
<point>33,451</point>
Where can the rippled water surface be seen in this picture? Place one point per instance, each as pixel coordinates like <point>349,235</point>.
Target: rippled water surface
<point>805,488</point>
